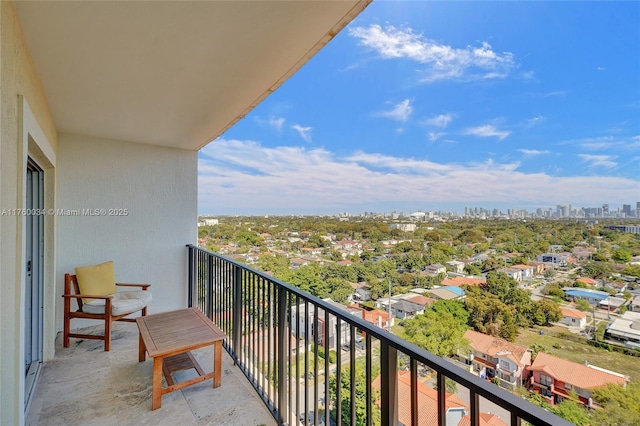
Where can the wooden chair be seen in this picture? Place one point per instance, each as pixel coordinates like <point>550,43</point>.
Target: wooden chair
<point>108,308</point>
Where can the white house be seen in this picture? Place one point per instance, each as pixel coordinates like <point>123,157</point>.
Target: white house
<point>456,266</point>
<point>573,318</point>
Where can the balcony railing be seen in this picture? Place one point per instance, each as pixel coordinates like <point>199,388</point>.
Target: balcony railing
<point>282,339</point>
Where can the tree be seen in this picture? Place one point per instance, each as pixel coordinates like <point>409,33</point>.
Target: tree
<point>536,348</point>
<point>621,255</point>
<point>621,404</point>
<point>361,395</point>
<point>583,305</point>
<point>440,333</point>
<point>549,311</point>
<point>572,411</point>
<point>633,270</point>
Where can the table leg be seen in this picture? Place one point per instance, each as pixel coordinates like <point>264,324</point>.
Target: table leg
<point>217,363</point>
<point>142,349</point>
<point>157,383</point>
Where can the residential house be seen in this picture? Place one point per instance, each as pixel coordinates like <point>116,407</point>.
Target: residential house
<point>377,317</point>
<point>634,306</point>
<point>555,377</point>
<point>362,291</point>
<point>625,329</point>
<point>514,273</point>
<point>592,296</point>
<point>405,309</point>
<point>457,412</point>
<point>589,282</point>
<point>539,267</point>
<point>298,262</point>
<point>423,301</point>
<point>617,286</point>
<point>493,357</point>
<point>427,402</point>
<point>612,303</point>
<point>447,293</point>
<point>456,266</point>
<point>528,271</point>
<point>303,322</point>
<point>436,268</point>
<point>553,259</point>
<point>573,318</point>
<point>459,281</point>
<point>107,105</point>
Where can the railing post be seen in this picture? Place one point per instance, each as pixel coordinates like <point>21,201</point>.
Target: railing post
<point>282,344</point>
<point>210,279</point>
<point>389,383</point>
<point>237,311</point>
<point>442,398</point>
<point>191,277</point>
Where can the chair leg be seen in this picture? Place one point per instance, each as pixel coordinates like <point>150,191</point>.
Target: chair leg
<point>66,331</point>
<point>107,335</point>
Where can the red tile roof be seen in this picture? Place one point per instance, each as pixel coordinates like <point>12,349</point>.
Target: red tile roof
<point>422,300</point>
<point>427,401</point>
<point>458,281</point>
<point>572,313</point>
<point>579,375</point>
<point>486,419</point>
<point>496,348</point>
<point>587,281</point>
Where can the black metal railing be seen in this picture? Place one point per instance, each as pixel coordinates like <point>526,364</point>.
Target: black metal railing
<point>313,362</point>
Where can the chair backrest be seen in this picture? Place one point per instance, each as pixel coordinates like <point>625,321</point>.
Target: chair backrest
<point>72,280</point>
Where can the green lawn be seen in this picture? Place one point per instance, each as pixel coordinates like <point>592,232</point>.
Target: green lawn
<point>580,352</point>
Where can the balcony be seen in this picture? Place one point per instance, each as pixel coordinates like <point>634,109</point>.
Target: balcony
<point>276,379</point>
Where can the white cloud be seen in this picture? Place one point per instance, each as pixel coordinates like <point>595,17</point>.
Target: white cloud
<point>535,120</point>
<point>236,177</point>
<point>441,120</point>
<point>440,61</point>
<point>276,122</point>
<point>600,143</point>
<point>602,69</point>
<point>433,136</point>
<point>400,112</point>
<point>304,132</point>
<point>533,152</point>
<point>604,161</point>
<point>554,93</point>
<point>487,131</point>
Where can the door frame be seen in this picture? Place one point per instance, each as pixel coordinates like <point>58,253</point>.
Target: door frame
<point>32,143</point>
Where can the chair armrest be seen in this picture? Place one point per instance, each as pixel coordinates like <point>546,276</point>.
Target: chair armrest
<point>143,286</point>
<point>87,296</point>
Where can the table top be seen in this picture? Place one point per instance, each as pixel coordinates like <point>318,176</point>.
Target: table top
<point>173,332</point>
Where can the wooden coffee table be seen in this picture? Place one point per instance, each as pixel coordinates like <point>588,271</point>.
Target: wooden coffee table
<point>168,337</point>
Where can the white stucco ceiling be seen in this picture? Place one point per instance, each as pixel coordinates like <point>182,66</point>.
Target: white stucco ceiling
<point>170,73</point>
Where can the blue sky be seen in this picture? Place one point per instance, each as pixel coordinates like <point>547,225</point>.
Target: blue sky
<point>441,105</point>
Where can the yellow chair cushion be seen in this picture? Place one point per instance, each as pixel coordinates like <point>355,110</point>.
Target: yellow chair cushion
<point>96,280</point>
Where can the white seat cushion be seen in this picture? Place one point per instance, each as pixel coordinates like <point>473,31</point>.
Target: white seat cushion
<point>124,302</point>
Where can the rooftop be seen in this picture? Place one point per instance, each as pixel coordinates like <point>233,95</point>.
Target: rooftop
<point>493,346</point>
<point>580,375</point>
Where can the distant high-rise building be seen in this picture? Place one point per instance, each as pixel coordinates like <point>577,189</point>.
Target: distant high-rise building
<point>605,209</point>
<point>626,209</point>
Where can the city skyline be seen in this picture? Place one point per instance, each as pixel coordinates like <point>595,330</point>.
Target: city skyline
<point>429,105</point>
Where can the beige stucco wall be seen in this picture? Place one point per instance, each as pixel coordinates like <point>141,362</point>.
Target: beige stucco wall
<point>157,186</point>
<point>17,77</point>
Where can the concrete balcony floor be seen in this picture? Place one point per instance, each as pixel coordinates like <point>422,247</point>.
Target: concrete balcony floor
<point>84,385</point>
